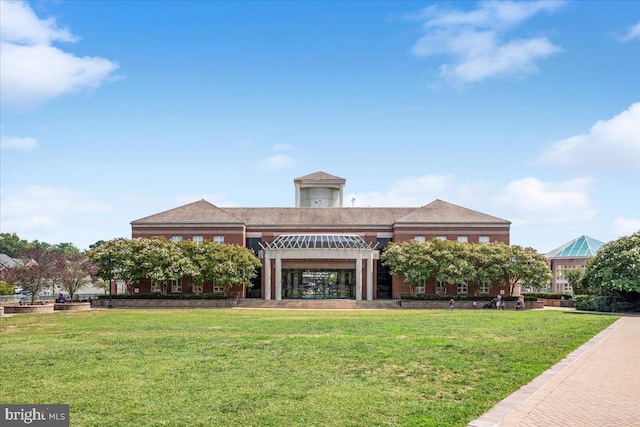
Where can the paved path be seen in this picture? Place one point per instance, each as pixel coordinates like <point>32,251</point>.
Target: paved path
<point>596,385</point>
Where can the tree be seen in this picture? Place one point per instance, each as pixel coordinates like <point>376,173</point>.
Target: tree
<point>615,268</point>
<point>38,276</point>
<point>120,259</point>
<point>6,288</point>
<point>12,245</point>
<point>66,249</point>
<point>411,261</point>
<point>489,264</point>
<point>573,277</point>
<point>164,261</point>
<point>527,266</point>
<point>79,272</point>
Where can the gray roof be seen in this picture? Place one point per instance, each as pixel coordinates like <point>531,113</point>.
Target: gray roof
<point>203,212</point>
<point>8,262</point>
<point>320,176</point>
<point>200,212</point>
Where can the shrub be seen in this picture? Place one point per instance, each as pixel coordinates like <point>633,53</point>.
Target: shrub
<point>547,295</point>
<point>605,304</point>
<point>159,296</point>
<point>460,298</point>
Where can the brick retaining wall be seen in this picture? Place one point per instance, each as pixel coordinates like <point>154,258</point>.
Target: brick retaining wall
<point>72,306</point>
<point>45,308</point>
<point>558,302</point>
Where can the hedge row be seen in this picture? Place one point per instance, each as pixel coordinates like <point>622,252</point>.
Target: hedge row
<point>461,298</point>
<point>604,303</point>
<point>160,296</point>
<point>547,295</point>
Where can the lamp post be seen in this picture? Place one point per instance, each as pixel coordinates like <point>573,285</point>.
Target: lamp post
<point>110,281</point>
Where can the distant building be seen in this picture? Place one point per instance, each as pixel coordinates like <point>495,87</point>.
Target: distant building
<point>574,254</point>
<point>8,262</point>
<point>319,248</point>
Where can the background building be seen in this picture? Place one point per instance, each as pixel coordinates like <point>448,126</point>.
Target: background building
<point>321,249</point>
<point>574,254</point>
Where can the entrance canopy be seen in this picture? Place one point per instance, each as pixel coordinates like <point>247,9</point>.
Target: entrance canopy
<point>330,247</point>
<point>319,241</point>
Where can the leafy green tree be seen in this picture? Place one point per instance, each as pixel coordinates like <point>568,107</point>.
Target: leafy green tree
<point>164,261</point>
<point>120,259</point>
<point>66,249</point>
<point>615,268</point>
<point>528,267</point>
<point>12,245</point>
<point>6,288</point>
<point>409,260</point>
<point>573,277</point>
<point>78,274</point>
<point>234,266</point>
<point>489,264</point>
<point>40,246</point>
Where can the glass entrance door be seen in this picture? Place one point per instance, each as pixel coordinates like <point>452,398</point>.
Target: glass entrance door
<point>318,284</point>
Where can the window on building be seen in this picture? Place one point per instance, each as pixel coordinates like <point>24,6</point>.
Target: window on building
<point>463,288</point>
<point>441,237</point>
<point>218,239</point>
<point>196,289</point>
<point>440,288</point>
<point>198,239</point>
<point>419,289</point>
<point>176,238</point>
<point>484,239</point>
<point>463,239</point>
<point>420,238</point>
<point>176,286</point>
<point>567,287</point>
<point>155,287</point>
<point>218,289</point>
<point>484,289</point>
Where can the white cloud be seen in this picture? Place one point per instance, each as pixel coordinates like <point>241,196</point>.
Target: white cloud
<point>408,192</point>
<point>609,144</point>
<point>625,226</point>
<point>475,40</point>
<point>278,162</point>
<point>39,208</point>
<point>527,201</point>
<point>18,143</point>
<point>33,71</point>
<point>633,33</point>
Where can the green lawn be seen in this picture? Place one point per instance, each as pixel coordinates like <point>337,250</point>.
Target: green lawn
<point>230,367</point>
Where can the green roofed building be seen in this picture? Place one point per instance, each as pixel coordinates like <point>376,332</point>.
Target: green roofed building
<point>574,254</point>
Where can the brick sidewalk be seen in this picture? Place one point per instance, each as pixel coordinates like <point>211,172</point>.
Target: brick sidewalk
<point>596,385</point>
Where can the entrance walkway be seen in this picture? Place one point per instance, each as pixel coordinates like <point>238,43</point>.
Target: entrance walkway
<point>596,385</point>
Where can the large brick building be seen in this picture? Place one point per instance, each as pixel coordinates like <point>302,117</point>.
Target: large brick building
<point>319,248</point>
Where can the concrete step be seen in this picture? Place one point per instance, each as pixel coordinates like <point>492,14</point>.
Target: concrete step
<point>324,304</point>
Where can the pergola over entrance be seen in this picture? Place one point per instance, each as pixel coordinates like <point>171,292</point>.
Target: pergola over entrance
<point>319,247</point>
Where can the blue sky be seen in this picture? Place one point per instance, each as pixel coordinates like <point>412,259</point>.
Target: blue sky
<point>115,110</point>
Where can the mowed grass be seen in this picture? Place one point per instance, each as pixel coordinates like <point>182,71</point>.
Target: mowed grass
<point>232,367</point>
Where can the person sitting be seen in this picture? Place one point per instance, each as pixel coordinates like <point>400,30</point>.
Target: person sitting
<point>61,298</point>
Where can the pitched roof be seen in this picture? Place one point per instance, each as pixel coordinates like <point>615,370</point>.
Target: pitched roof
<point>440,211</point>
<point>319,176</point>
<point>437,212</point>
<point>583,246</point>
<point>8,262</point>
<point>195,213</point>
